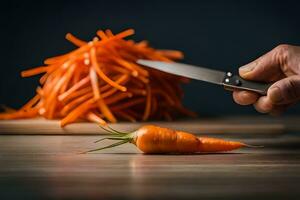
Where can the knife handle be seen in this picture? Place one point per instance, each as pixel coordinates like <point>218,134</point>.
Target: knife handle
<point>236,82</point>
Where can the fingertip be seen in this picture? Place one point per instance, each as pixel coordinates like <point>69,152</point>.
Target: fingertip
<point>245,97</point>
<point>244,74</point>
<point>236,97</point>
<point>263,105</point>
<point>275,94</point>
<point>245,71</point>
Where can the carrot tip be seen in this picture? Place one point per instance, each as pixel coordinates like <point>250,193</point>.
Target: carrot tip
<point>135,73</point>
<point>253,146</point>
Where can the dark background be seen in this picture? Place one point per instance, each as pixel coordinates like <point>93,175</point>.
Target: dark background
<point>219,34</point>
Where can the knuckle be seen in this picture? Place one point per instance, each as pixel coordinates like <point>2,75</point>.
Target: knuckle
<point>282,53</point>
<point>283,48</point>
<point>292,89</point>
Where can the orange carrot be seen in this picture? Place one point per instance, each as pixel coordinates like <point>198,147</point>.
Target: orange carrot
<point>34,71</point>
<point>128,104</point>
<point>215,145</point>
<point>175,55</point>
<point>100,81</point>
<point>154,139</point>
<point>75,40</point>
<point>94,83</point>
<point>93,117</point>
<point>76,113</point>
<point>74,88</point>
<point>96,66</point>
<point>102,35</point>
<point>117,97</point>
<point>77,94</point>
<point>106,111</point>
<point>109,33</point>
<point>71,105</point>
<point>148,104</point>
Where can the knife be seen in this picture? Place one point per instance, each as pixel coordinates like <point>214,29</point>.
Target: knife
<point>226,79</point>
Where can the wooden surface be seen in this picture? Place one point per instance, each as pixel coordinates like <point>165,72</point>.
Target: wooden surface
<point>233,125</point>
<point>48,167</point>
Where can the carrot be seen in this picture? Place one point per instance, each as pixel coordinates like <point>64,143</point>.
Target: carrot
<point>93,117</point>
<point>117,98</point>
<point>128,104</point>
<point>34,71</point>
<point>175,55</point>
<point>96,66</point>
<point>154,139</point>
<point>94,83</point>
<point>74,88</point>
<point>99,81</point>
<point>109,33</point>
<point>75,114</point>
<point>77,94</point>
<point>31,102</point>
<point>148,104</point>
<point>75,40</point>
<point>216,145</point>
<point>19,114</point>
<point>71,105</point>
<point>106,111</point>
<point>102,35</point>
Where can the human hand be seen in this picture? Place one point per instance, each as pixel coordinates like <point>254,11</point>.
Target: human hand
<point>281,66</point>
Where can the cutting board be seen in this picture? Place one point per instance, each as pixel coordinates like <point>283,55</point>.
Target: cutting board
<point>228,125</point>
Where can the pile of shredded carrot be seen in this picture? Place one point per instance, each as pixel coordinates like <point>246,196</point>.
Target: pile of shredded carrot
<point>100,81</point>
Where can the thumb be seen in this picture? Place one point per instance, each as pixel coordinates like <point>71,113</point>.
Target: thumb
<point>267,68</point>
<point>285,91</point>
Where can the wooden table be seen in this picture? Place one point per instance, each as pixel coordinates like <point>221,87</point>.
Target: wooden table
<point>48,167</point>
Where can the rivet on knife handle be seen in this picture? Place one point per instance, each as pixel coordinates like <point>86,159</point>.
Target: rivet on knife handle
<point>236,82</point>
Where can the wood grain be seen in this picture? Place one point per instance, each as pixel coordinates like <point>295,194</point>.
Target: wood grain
<point>232,125</point>
<point>48,167</point>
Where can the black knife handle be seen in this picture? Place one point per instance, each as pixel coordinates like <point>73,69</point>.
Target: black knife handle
<point>236,82</point>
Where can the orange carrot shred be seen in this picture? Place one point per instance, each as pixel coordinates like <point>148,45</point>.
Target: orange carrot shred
<point>94,83</point>
<point>91,116</point>
<point>101,74</point>
<point>34,71</point>
<point>75,40</point>
<point>102,35</point>
<point>31,102</point>
<point>99,81</point>
<point>148,104</point>
<point>74,88</point>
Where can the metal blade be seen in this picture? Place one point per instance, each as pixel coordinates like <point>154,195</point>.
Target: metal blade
<point>190,71</point>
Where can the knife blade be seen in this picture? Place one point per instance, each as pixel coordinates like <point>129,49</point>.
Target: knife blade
<point>226,79</point>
